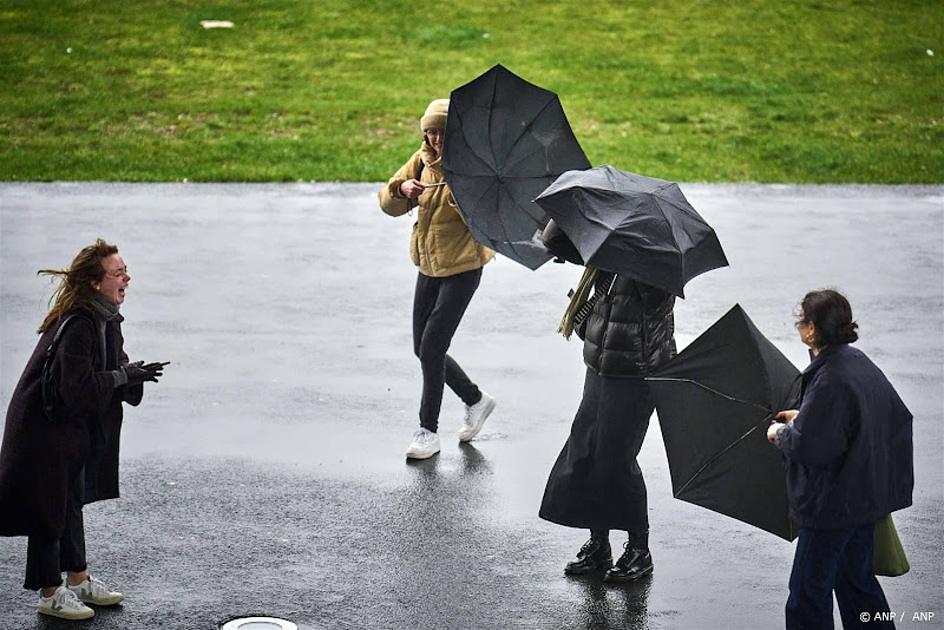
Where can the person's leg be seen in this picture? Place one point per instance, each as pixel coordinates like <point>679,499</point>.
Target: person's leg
<point>42,565</point>
<point>87,588</point>
<point>640,410</point>
<point>457,294</point>
<point>72,543</point>
<point>424,300</point>
<point>857,589</point>
<point>628,406</point>
<point>453,296</point>
<point>813,577</point>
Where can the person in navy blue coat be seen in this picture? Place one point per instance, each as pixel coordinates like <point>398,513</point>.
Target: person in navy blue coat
<point>849,462</point>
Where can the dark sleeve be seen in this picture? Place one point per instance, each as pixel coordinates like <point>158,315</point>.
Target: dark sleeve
<point>131,394</point>
<point>819,434</point>
<point>81,386</point>
<point>559,244</point>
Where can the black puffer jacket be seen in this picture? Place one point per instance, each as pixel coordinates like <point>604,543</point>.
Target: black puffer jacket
<point>630,330</point>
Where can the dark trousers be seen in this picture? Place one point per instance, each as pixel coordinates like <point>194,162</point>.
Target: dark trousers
<point>839,560</point>
<point>46,558</point>
<point>438,306</point>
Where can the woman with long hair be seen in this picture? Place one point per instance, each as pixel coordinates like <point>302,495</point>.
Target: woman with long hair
<point>60,442</point>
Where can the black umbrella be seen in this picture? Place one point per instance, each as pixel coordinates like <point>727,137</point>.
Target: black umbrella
<point>506,140</point>
<point>633,225</point>
<point>715,401</point>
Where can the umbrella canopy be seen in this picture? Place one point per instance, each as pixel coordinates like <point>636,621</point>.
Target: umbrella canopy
<point>633,225</point>
<point>506,140</point>
<point>715,401</point>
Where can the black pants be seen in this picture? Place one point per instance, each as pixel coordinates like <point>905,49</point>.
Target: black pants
<point>438,306</point>
<point>46,558</point>
<point>596,482</point>
<point>840,560</point>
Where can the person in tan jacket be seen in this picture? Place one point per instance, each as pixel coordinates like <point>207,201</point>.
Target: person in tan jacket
<point>450,267</point>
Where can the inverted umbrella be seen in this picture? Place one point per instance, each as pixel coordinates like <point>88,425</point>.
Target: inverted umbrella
<point>633,225</point>
<point>715,400</point>
<point>506,140</point>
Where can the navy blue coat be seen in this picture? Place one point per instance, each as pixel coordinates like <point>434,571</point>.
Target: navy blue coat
<point>849,452</point>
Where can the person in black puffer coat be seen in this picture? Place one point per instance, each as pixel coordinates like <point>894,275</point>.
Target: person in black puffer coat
<point>628,331</point>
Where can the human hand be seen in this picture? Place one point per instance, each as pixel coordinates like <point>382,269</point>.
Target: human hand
<point>412,188</point>
<point>139,372</point>
<point>774,430</point>
<point>787,415</point>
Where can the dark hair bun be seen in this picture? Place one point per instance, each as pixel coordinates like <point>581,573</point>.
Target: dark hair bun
<point>848,332</point>
<point>831,313</point>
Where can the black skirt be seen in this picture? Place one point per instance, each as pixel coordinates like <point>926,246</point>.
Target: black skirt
<point>596,482</point>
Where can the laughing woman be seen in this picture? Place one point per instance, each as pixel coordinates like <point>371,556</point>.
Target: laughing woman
<point>60,451</point>
<point>450,267</point>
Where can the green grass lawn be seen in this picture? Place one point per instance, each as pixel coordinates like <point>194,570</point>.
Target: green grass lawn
<point>827,91</point>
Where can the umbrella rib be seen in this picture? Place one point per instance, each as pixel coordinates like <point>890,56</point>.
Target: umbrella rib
<point>732,444</point>
<point>472,151</point>
<point>491,110</point>
<point>718,456</point>
<point>525,130</point>
<point>504,229</point>
<point>706,388</point>
<point>681,258</point>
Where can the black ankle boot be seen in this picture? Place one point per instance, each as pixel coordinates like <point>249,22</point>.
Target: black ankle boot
<point>632,565</point>
<point>595,555</point>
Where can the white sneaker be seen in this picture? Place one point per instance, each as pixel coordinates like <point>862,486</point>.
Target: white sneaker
<point>94,591</point>
<point>63,604</point>
<point>425,444</point>
<point>475,417</point>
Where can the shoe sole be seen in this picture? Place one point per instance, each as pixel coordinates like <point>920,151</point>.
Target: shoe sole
<point>475,431</point>
<point>414,455</point>
<point>623,580</point>
<point>605,566</point>
<point>103,602</point>
<point>71,617</point>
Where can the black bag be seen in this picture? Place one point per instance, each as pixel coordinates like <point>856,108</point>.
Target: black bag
<point>52,403</point>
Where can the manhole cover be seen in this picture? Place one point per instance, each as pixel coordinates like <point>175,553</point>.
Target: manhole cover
<point>259,623</point>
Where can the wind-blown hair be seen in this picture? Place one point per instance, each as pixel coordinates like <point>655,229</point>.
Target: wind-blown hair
<point>75,283</point>
<point>829,311</point>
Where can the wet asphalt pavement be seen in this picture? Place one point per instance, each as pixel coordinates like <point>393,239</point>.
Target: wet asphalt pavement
<point>265,474</point>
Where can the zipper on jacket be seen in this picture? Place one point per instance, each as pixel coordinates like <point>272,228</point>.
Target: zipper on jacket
<point>608,306</point>
<point>643,329</point>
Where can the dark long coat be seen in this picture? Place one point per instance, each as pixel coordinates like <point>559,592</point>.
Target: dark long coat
<point>849,452</point>
<point>39,457</point>
<point>596,482</point>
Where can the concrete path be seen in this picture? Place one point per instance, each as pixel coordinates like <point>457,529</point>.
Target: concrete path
<point>265,473</point>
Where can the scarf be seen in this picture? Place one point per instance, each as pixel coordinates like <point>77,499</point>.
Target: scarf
<point>580,301</point>
<point>104,312</point>
<point>104,309</point>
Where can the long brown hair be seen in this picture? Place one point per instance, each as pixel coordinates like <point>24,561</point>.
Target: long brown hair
<point>75,283</point>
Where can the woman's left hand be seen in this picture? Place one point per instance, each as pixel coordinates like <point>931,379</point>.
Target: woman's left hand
<point>787,415</point>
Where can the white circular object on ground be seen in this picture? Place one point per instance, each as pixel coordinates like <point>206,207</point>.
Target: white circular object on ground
<point>259,623</point>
